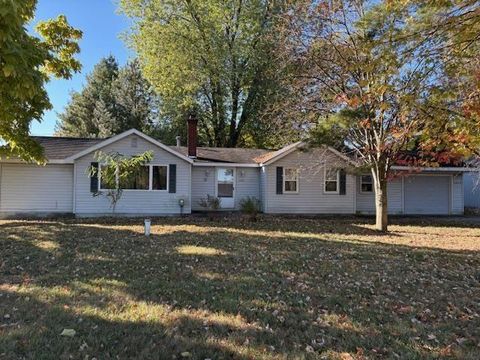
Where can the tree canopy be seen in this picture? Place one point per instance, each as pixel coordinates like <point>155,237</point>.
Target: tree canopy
<point>379,74</point>
<point>113,100</point>
<point>27,62</point>
<point>210,56</point>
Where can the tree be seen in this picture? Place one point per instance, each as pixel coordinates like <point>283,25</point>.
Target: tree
<point>91,111</point>
<point>136,103</point>
<point>208,55</point>
<point>27,63</point>
<point>113,100</point>
<point>364,67</point>
<point>117,169</point>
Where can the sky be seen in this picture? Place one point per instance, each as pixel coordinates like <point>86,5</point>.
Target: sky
<point>102,27</point>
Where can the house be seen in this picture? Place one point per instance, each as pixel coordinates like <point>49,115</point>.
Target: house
<point>292,180</point>
<point>471,187</point>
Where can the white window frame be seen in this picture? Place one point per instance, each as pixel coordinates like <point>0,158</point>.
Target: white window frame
<point>150,179</point>
<point>361,183</point>
<point>325,191</point>
<point>297,180</point>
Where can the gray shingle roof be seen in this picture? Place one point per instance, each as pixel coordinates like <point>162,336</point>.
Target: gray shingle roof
<point>60,148</point>
<point>227,155</point>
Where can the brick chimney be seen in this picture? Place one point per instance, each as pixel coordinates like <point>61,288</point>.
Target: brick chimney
<point>192,136</point>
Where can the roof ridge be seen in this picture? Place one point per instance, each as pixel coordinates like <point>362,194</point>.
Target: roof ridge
<point>224,148</point>
<point>67,137</point>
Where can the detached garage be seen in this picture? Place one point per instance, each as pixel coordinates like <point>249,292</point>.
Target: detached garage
<point>427,195</point>
<point>40,189</point>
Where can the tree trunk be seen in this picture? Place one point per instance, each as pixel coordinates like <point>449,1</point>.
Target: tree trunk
<point>381,202</point>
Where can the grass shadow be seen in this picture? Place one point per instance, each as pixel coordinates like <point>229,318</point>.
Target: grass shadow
<point>235,292</point>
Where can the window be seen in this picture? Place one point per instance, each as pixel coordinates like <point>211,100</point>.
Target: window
<point>290,180</point>
<point>104,172</point>
<point>225,183</point>
<point>159,180</point>
<point>150,177</point>
<point>138,181</point>
<point>331,180</point>
<point>366,183</point>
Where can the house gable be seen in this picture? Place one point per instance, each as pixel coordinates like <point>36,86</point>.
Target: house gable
<point>270,158</point>
<point>310,195</point>
<point>135,202</point>
<point>129,133</point>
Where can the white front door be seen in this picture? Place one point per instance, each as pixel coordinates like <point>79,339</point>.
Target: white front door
<point>226,187</point>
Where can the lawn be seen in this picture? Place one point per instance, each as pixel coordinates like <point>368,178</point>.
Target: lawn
<point>280,288</point>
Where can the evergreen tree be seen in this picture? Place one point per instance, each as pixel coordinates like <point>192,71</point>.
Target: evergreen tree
<point>83,115</point>
<point>136,103</point>
<point>114,100</point>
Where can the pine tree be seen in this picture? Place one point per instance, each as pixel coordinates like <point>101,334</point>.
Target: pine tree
<point>114,100</point>
<point>82,115</point>
<point>137,104</point>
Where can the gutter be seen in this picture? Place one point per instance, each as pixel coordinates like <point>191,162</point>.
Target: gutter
<point>436,169</point>
<point>223,164</point>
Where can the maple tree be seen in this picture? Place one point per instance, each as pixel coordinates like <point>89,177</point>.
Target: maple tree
<point>372,72</point>
<point>27,62</point>
<point>212,56</point>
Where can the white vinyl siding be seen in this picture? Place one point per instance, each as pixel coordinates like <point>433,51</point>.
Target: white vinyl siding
<point>36,189</point>
<point>134,202</point>
<point>458,206</point>
<point>311,197</point>
<point>263,190</point>
<point>366,200</point>
<point>203,184</point>
<point>247,183</point>
<point>471,186</point>
<point>426,194</point>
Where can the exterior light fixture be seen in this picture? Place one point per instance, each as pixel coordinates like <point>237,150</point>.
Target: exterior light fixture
<point>181,203</point>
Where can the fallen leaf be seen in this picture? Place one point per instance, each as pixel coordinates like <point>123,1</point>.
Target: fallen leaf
<point>68,332</point>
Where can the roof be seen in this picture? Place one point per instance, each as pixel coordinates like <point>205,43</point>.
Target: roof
<point>265,158</point>
<point>60,148</point>
<point>69,148</point>
<point>225,155</point>
<point>124,134</point>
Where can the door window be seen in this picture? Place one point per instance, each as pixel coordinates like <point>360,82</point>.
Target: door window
<point>225,181</point>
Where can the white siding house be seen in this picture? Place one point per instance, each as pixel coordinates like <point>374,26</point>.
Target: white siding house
<point>471,188</point>
<point>310,197</point>
<point>366,199</point>
<point>134,202</point>
<point>294,180</point>
<point>30,188</point>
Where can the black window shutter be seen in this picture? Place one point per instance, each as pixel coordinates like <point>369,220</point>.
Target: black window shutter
<point>343,182</point>
<point>279,180</point>
<point>172,180</point>
<point>94,177</point>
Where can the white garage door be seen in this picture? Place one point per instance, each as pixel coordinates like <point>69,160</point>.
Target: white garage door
<point>31,188</point>
<point>428,195</point>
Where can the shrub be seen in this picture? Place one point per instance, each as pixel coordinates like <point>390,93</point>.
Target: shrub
<point>251,206</point>
<point>211,203</point>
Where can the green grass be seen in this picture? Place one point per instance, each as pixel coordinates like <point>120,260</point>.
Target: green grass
<point>280,288</point>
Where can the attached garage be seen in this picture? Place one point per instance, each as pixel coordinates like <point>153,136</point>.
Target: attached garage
<point>36,189</point>
<point>427,195</point>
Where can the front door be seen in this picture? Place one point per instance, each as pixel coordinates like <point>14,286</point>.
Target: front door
<point>226,187</point>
